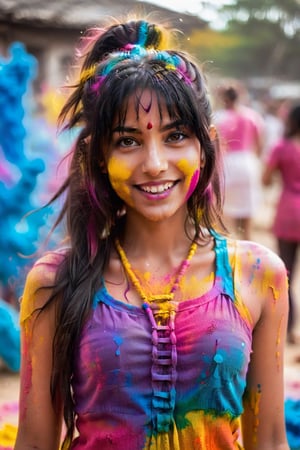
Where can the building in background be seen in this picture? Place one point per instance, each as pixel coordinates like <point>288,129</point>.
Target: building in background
<point>50,29</point>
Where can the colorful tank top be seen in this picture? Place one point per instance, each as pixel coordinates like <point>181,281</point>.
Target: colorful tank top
<point>142,381</point>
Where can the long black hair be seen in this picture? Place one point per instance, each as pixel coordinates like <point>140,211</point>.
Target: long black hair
<point>121,61</point>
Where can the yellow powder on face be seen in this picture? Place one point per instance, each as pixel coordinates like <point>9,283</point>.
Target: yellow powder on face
<point>187,169</point>
<point>119,173</point>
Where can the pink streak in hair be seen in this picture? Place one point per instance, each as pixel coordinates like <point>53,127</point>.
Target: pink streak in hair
<point>88,40</point>
<point>92,238</point>
<point>128,47</point>
<point>97,84</point>
<point>208,193</point>
<point>92,194</point>
<point>91,230</point>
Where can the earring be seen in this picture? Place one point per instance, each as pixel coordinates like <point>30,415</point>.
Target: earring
<point>202,161</point>
<point>213,134</point>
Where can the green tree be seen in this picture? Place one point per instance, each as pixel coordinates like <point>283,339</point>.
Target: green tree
<point>260,38</point>
<point>270,31</point>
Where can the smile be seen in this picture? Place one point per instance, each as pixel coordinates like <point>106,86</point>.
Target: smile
<point>157,189</point>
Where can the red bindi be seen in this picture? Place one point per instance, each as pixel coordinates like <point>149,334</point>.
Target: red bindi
<point>149,126</point>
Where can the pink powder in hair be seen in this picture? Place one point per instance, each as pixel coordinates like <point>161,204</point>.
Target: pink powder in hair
<point>95,86</point>
<point>92,238</point>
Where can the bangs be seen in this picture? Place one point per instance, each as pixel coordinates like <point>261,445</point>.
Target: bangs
<point>127,83</point>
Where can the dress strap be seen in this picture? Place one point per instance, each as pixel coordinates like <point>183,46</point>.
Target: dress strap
<point>224,274</point>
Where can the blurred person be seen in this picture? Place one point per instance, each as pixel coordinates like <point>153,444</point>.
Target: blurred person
<point>241,131</point>
<point>284,160</point>
<point>273,124</point>
<point>152,329</point>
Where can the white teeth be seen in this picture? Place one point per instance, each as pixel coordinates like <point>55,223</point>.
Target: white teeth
<point>157,189</point>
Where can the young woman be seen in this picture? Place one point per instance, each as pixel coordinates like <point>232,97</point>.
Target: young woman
<point>151,330</point>
<point>284,159</point>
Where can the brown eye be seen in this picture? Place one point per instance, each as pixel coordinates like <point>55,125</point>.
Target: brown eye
<point>126,142</point>
<point>176,136</point>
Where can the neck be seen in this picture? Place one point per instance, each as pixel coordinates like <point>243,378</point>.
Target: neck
<point>161,297</point>
<point>156,238</point>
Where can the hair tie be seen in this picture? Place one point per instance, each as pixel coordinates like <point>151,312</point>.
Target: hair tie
<point>143,34</point>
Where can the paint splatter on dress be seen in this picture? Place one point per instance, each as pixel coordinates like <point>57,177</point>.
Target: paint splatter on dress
<point>147,379</point>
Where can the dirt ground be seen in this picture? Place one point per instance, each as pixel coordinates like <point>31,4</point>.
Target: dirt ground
<point>9,383</point>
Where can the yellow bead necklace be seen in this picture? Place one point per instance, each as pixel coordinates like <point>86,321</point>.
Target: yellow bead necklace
<point>137,285</point>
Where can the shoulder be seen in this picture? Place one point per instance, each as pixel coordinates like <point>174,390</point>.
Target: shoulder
<point>280,145</point>
<point>39,282</point>
<point>252,116</point>
<point>44,270</point>
<point>260,276</point>
<point>255,256</point>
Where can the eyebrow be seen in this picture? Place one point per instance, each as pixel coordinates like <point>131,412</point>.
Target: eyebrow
<point>168,126</point>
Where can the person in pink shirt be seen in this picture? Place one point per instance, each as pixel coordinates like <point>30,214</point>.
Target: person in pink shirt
<point>284,159</point>
<point>240,131</point>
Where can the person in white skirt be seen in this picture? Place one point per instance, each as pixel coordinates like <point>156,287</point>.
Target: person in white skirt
<point>240,131</point>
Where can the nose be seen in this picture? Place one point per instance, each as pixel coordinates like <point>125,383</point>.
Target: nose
<point>155,160</point>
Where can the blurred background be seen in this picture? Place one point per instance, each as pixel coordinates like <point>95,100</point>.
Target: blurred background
<point>252,42</point>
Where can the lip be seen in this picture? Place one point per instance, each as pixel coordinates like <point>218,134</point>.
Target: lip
<point>156,190</point>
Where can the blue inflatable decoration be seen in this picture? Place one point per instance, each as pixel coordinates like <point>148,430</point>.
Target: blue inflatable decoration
<point>10,336</point>
<point>292,420</point>
<point>28,148</point>
<point>15,75</point>
<point>19,172</point>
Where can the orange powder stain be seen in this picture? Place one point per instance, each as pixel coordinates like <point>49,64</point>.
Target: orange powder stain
<point>119,173</point>
<point>254,397</point>
<point>278,342</point>
<point>28,303</point>
<point>243,310</point>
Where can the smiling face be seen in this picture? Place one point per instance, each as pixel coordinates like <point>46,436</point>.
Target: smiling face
<point>153,160</point>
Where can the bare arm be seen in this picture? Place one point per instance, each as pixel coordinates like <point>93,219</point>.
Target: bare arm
<point>259,143</point>
<point>267,175</point>
<point>263,419</point>
<point>40,423</point>
<point>270,168</point>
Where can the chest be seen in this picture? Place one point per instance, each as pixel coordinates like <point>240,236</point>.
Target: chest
<point>208,338</point>
<point>194,281</point>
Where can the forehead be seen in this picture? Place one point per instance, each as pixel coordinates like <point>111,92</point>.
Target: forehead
<point>146,104</point>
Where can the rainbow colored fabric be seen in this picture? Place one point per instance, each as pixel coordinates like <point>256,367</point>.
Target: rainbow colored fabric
<point>145,383</point>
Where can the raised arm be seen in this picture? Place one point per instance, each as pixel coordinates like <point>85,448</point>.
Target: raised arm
<point>263,419</point>
<point>40,422</point>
